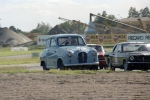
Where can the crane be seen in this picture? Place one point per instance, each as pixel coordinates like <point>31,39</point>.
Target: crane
<point>80,23</point>
<point>142,24</point>
<point>130,26</point>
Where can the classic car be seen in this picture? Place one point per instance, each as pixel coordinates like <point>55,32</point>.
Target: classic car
<point>68,51</point>
<point>101,52</point>
<point>129,56</point>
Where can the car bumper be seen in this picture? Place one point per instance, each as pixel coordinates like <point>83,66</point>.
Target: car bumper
<point>81,64</point>
<point>102,62</point>
<point>138,62</point>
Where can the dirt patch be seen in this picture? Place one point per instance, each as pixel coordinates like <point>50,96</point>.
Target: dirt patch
<point>101,86</point>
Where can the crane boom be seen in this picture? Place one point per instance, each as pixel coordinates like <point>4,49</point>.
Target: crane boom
<point>133,27</point>
<point>80,23</point>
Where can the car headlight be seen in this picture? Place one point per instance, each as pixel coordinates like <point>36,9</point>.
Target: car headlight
<point>70,53</point>
<point>94,53</point>
<point>131,58</point>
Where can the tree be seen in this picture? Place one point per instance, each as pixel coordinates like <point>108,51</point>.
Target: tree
<point>41,28</point>
<point>72,27</point>
<point>98,19</point>
<point>145,12</point>
<point>133,13</point>
<point>111,23</point>
<point>12,28</point>
<point>104,14</point>
<point>104,21</point>
<point>17,30</point>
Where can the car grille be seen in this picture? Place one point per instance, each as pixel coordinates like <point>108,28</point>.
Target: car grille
<point>82,57</point>
<point>143,58</point>
<point>100,57</point>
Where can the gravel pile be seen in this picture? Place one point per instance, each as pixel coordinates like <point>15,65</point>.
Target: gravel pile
<point>11,38</point>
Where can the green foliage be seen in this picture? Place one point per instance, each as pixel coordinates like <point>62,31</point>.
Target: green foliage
<point>9,61</point>
<point>16,69</point>
<point>41,28</point>
<point>135,14</point>
<point>14,29</point>
<point>72,27</point>
<point>7,52</point>
<point>104,21</point>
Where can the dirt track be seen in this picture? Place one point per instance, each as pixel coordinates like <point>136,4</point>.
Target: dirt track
<point>102,86</point>
<point>117,85</point>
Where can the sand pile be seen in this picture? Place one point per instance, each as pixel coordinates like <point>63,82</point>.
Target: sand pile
<point>11,38</point>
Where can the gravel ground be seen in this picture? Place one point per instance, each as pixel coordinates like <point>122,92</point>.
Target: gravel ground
<point>121,85</point>
<point>117,85</point>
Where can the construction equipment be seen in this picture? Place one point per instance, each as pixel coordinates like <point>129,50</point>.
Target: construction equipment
<point>143,24</point>
<point>118,22</point>
<point>80,23</point>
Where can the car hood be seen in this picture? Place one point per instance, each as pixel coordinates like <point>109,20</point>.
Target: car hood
<point>140,53</point>
<point>77,48</point>
<point>101,53</point>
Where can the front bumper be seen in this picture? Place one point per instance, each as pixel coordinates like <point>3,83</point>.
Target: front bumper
<point>81,64</point>
<point>102,62</point>
<point>138,62</point>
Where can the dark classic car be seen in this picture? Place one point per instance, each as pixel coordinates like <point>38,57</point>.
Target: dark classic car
<point>101,53</point>
<point>65,51</point>
<point>129,56</point>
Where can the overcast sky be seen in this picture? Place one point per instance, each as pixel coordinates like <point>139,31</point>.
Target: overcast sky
<point>26,14</point>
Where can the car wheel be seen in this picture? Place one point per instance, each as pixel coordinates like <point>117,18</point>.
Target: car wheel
<point>145,68</point>
<point>126,66</point>
<point>93,67</point>
<point>101,67</point>
<point>44,66</point>
<point>60,64</point>
<point>109,65</point>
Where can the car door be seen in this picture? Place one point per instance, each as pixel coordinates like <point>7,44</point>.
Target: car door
<point>51,53</point>
<point>116,56</point>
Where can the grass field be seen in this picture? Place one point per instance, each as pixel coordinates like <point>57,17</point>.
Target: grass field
<point>7,52</point>
<point>8,61</point>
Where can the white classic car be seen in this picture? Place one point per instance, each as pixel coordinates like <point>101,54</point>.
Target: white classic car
<point>65,51</point>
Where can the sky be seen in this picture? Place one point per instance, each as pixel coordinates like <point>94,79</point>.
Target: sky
<point>26,14</point>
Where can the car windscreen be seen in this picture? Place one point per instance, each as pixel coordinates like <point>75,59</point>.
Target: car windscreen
<point>145,48</point>
<point>131,47</point>
<point>148,48</point>
<point>71,41</point>
<point>98,48</point>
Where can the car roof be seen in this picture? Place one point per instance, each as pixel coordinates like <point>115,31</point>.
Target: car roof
<point>132,43</point>
<point>64,35</point>
<point>93,44</point>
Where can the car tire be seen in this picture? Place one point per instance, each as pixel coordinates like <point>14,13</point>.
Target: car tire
<point>126,66</point>
<point>60,65</point>
<point>101,67</point>
<point>44,66</point>
<point>93,67</point>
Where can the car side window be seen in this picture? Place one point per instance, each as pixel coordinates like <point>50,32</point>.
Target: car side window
<point>80,41</point>
<point>117,48</point>
<point>143,48</point>
<point>52,42</point>
<point>47,43</point>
